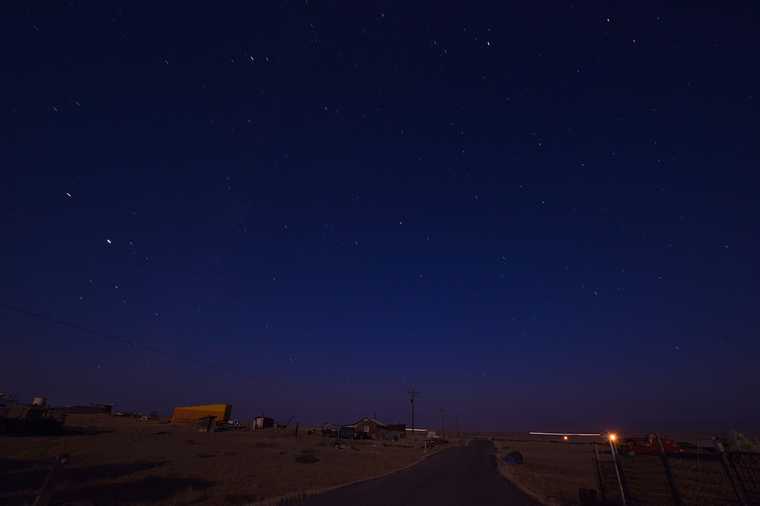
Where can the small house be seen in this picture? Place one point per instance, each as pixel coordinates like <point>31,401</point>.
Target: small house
<point>394,432</point>
<point>368,427</point>
<point>371,428</point>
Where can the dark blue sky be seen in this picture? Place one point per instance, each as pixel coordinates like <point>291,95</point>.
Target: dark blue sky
<point>542,216</point>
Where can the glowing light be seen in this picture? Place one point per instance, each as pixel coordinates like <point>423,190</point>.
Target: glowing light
<point>565,438</point>
<point>612,437</point>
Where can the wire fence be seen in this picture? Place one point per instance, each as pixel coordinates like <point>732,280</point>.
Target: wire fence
<point>746,467</point>
<point>698,478</point>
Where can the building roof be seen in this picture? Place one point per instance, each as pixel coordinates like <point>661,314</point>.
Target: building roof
<point>369,419</point>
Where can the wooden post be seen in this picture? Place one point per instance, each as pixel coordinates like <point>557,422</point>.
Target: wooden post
<point>668,472</point>
<point>618,472</point>
<point>727,469</point>
<point>599,476</point>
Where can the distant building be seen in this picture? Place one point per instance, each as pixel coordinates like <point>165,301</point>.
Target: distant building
<point>92,409</point>
<point>395,431</point>
<point>25,419</point>
<point>191,414</point>
<point>263,422</point>
<point>371,428</point>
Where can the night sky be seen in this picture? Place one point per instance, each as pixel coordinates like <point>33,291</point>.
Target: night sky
<point>541,215</point>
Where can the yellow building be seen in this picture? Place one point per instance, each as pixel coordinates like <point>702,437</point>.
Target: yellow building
<point>191,414</point>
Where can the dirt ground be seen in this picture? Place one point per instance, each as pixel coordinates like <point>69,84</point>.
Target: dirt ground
<point>127,461</point>
<point>553,471</point>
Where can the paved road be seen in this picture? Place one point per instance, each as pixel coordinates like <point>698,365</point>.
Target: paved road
<point>464,476</point>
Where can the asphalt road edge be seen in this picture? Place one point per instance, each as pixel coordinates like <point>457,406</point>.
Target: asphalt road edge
<point>302,496</point>
<point>504,472</point>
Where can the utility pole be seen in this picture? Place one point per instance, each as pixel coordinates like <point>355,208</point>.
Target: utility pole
<point>412,395</point>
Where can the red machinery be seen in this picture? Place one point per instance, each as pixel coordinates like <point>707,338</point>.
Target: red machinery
<point>648,445</point>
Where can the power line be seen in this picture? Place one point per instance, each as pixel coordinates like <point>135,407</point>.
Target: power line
<point>75,326</point>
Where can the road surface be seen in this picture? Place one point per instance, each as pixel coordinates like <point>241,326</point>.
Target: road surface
<point>462,476</point>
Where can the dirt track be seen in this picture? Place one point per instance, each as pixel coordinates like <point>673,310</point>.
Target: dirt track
<point>459,476</point>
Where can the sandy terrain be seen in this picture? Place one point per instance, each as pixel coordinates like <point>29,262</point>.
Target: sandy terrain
<point>553,471</point>
<point>128,461</point>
